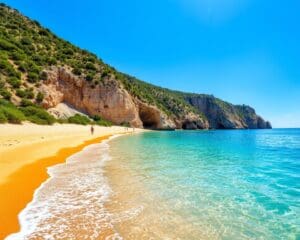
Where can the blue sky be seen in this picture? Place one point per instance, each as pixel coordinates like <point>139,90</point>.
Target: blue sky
<point>243,51</point>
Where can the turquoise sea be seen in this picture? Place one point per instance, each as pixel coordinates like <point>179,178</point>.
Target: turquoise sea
<point>224,184</point>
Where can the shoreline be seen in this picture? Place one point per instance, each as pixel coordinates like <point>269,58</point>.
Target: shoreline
<point>19,181</point>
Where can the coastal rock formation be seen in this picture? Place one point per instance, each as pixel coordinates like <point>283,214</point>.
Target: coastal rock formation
<point>193,121</point>
<point>153,118</point>
<point>223,115</point>
<point>108,100</point>
<point>251,119</point>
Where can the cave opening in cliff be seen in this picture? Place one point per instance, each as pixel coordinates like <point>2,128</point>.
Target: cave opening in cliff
<point>189,125</point>
<point>220,126</point>
<point>149,120</point>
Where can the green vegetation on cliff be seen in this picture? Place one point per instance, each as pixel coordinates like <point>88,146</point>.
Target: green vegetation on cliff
<point>26,111</point>
<point>26,49</point>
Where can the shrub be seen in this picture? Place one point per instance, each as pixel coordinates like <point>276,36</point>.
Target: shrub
<point>43,32</point>
<point>96,118</point>
<point>5,103</point>
<point>14,82</point>
<point>68,51</point>
<point>7,69</point>
<point>21,93</point>
<point>101,122</point>
<point>89,77</point>
<point>26,103</point>
<point>2,83</point>
<point>76,71</point>
<point>91,59</point>
<point>26,41</point>
<point>27,93</point>
<point>39,60</point>
<point>12,114</point>
<point>5,94</point>
<point>44,75</point>
<point>17,56</point>
<point>90,66</point>
<point>33,67</point>
<point>51,61</point>
<point>3,118</point>
<point>28,49</point>
<point>32,77</point>
<point>104,74</point>
<point>38,115</point>
<point>39,97</point>
<point>79,119</point>
<point>125,124</point>
<point>61,121</point>
<point>22,67</point>
<point>5,45</point>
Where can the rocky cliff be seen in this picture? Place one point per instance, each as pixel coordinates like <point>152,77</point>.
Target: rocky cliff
<point>110,100</point>
<point>38,67</point>
<point>223,115</point>
<point>107,99</point>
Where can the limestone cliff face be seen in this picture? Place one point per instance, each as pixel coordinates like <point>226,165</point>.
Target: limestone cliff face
<point>108,100</point>
<point>153,118</point>
<point>111,101</point>
<point>251,119</point>
<point>193,121</point>
<point>223,115</point>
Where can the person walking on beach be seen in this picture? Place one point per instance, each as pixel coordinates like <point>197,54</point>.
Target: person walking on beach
<point>92,130</point>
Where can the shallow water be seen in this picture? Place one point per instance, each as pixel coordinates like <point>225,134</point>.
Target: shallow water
<point>208,184</point>
<point>173,185</point>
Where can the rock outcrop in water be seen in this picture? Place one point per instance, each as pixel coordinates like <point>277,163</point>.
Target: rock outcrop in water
<point>38,65</point>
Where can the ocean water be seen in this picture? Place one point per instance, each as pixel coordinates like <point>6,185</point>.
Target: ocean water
<point>241,184</point>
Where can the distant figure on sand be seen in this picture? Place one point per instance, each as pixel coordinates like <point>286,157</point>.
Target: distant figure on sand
<point>92,130</point>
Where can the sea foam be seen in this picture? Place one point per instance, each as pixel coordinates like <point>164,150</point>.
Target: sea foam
<point>70,204</point>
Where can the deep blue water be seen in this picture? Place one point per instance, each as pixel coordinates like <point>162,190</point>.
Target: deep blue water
<point>228,184</point>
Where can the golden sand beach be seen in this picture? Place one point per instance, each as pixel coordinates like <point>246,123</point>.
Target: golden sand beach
<point>25,153</point>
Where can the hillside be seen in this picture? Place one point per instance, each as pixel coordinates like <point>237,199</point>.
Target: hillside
<point>38,68</point>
